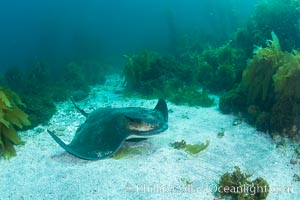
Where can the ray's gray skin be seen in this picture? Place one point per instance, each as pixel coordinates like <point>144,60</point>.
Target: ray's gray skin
<point>105,129</point>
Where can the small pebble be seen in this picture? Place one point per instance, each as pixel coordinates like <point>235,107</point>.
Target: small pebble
<point>293,161</point>
<point>236,122</point>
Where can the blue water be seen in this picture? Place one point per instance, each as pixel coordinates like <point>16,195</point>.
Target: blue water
<point>60,31</point>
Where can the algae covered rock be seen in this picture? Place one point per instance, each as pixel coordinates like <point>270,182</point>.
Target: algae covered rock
<point>233,101</point>
<point>150,75</point>
<point>239,186</point>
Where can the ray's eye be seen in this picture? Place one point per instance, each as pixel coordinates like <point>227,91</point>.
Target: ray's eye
<point>140,125</point>
<point>134,121</point>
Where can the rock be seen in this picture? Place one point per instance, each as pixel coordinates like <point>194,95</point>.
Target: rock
<point>293,161</point>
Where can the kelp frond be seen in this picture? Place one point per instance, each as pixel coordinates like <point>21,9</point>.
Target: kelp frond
<point>261,69</point>
<point>11,116</point>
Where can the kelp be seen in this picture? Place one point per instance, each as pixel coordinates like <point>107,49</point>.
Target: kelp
<point>270,87</point>
<point>258,75</point>
<point>11,117</point>
<point>287,77</point>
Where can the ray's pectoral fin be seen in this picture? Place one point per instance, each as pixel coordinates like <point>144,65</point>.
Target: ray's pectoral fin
<point>62,144</point>
<point>103,146</point>
<point>91,151</point>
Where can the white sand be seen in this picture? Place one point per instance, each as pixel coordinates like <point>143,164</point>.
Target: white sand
<point>43,170</point>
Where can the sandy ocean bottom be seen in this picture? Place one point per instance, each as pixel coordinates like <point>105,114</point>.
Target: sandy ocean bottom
<point>43,170</point>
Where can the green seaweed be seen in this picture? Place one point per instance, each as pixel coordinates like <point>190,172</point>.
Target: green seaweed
<point>287,77</point>
<point>218,68</point>
<point>196,148</point>
<point>127,152</point>
<point>233,101</point>
<point>11,117</point>
<point>296,178</point>
<point>179,145</point>
<point>268,17</point>
<point>270,87</point>
<point>190,148</point>
<point>239,186</point>
<point>253,112</point>
<point>191,97</point>
<point>39,109</point>
<point>41,85</point>
<point>260,183</point>
<point>258,76</point>
<point>137,69</point>
<point>262,121</point>
<point>150,76</point>
<point>282,116</point>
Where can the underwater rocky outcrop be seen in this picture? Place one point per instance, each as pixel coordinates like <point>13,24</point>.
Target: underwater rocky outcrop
<point>238,185</point>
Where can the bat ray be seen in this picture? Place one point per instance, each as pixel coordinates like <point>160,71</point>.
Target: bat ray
<point>105,129</point>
